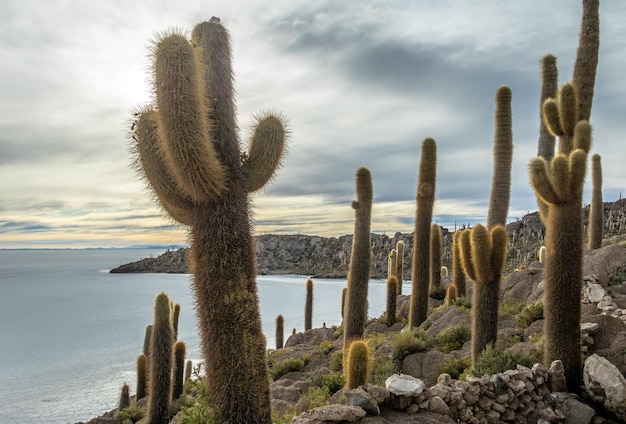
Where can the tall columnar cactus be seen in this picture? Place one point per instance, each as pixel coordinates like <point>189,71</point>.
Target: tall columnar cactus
<point>596,212</point>
<point>146,341</point>
<point>308,306</point>
<point>188,150</point>
<point>344,294</point>
<point>399,265</point>
<point>549,84</point>
<point>124,398</point>
<point>392,287</point>
<point>178,372</point>
<point>161,355</point>
<point>559,184</point>
<point>502,159</point>
<point>355,316</point>
<point>587,58</point>
<point>418,310</point>
<point>483,254</point>
<point>358,364</point>
<point>280,332</point>
<point>458,276</point>
<point>188,371</point>
<point>435,257</point>
<point>142,374</point>
<point>175,320</point>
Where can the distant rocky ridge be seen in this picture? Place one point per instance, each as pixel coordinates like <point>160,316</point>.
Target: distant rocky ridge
<point>329,257</point>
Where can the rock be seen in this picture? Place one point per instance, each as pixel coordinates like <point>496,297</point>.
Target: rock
<point>362,399</point>
<point>437,405</point>
<point>574,410</point>
<point>605,384</point>
<point>380,394</point>
<point>404,385</point>
<point>556,377</point>
<point>424,365</point>
<point>593,293</point>
<point>336,413</point>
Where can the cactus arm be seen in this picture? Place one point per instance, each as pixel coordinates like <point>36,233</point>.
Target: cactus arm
<point>540,180</point>
<point>465,251</point>
<point>568,108</point>
<point>558,172</point>
<point>587,57</point>
<point>549,78</point>
<point>503,157</point>
<point>499,240</point>
<point>582,136</point>
<point>481,253</point>
<point>550,117</point>
<point>265,153</point>
<point>577,171</point>
<point>189,153</point>
<point>152,167</point>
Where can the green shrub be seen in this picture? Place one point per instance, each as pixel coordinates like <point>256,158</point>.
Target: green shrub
<point>200,412</point>
<point>376,340</point>
<point>130,415</point>
<point>455,367</point>
<point>618,278</point>
<point>438,293</point>
<point>408,341</point>
<point>382,368</point>
<point>336,361</point>
<point>530,313</point>
<point>325,347</point>
<point>533,271</point>
<point>511,307</point>
<point>462,302</point>
<point>283,367</point>
<point>453,338</point>
<point>493,361</point>
<point>314,397</point>
<point>622,244</point>
<point>333,381</point>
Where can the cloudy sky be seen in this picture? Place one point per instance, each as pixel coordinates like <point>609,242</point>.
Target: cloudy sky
<point>362,83</point>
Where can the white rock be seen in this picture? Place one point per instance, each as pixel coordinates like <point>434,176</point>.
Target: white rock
<point>589,327</point>
<point>594,292</point>
<point>606,384</point>
<point>404,385</point>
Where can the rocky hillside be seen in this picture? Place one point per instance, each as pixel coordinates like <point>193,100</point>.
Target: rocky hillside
<point>329,257</point>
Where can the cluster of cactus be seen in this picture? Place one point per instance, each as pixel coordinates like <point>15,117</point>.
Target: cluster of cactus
<point>188,150</point>
<point>355,310</point>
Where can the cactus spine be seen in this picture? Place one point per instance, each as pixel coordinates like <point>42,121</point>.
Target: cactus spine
<point>435,257</point>
<point>142,372</point>
<point>502,158</point>
<point>280,332</point>
<point>483,254</point>
<point>178,372</point>
<point>392,286</point>
<point>458,277</point>
<point>559,184</point>
<point>355,316</point>
<point>161,343</point>
<point>596,212</point>
<point>188,150</point>
<point>308,307</point>
<point>418,310</point>
<point>358,364</point>
<point>399,265</point>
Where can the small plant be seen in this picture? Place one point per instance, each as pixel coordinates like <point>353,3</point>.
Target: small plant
<point>455,367</point>
<point>492,361</point>
<point>130,415</point>
<point>453,338</point>
<point>622,244</point>
<point>281,368</point>
<point>511,307</point>
<point>533,271</point>
<point>463,302</point>
<point>376,340</point>
<point>358,365</point>
<point>314,397</point>
<point>336,361</point>
<point>530,313</point>
<point>438,293</point>
<point>333,382</point>
<point>325,347</point>
<point>382,368</point>
<point>407,342</point>
<point>618,278</point>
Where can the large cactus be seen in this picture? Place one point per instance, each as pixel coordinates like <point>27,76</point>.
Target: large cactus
<point>355,317</point>
<point>418,310</point>
<point>559,184</point>
<point>188,150</point>
<point>483,254</point>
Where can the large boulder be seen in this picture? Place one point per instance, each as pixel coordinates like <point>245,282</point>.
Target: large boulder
<point>425,365</point>
<point>605,263</point>
<point>605,384</point>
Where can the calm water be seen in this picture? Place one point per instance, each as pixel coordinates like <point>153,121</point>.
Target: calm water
<point>71,331</point>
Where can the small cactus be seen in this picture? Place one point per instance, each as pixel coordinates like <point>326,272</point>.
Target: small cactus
<point>142,373</point>
<point>188,371</point>
<point>542,254</point>
<point>280,332</point>
<point>175,320</point>
<point>399,265</point>
<point>435,257</point>
<point>358,364</point>
<point>124,398</point>
<point>179,369</point>
<point>458,276</point>
<point>308,307</point>
<point>450,295</point>
<point>392,286</point>
<point>161,344</point>
<point>596,212</point>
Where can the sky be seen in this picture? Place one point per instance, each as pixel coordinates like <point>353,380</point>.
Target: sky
<point>361,83</point>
